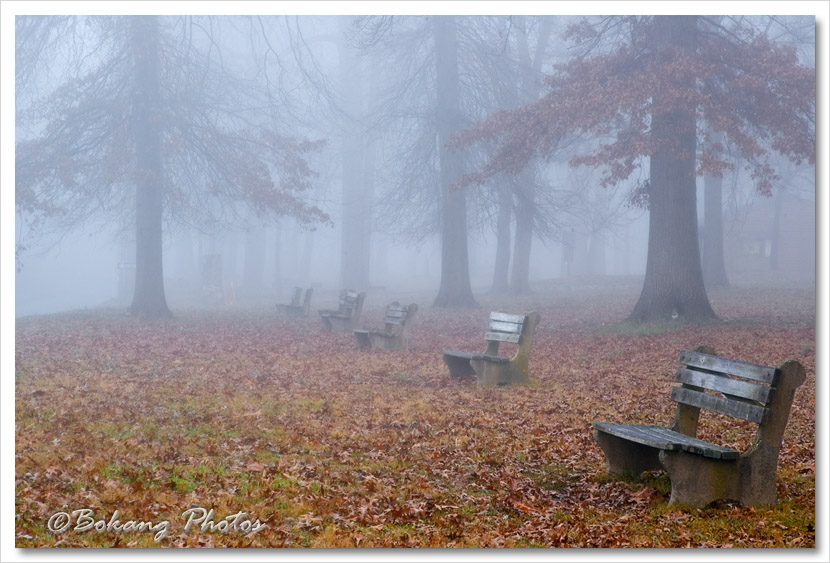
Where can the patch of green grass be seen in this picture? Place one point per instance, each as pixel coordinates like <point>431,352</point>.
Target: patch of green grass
<point>309,404</point>
<point>552,477</point>
<point>112,471</point>
<point>282,482</point>
<point>187,480</point>
<point>200,430</point>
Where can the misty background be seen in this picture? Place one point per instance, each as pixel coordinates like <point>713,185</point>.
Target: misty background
<point>367,87</point>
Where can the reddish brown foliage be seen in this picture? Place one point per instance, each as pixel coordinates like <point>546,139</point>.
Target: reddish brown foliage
<point>746,86</point>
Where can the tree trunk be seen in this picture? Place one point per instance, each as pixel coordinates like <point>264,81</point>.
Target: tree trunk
<point>520,276</point>
<point>596,255</point>
<point>356,232</point>
<point>254,272</point>
<point>673,284</point>
<point>305,260</point>
<point>278,258</point>
<point>502,265</point>
<point>776,231</point>
<point>526,206</point>
<point>714,267</point>
<point>149,299</point>
<point>455,290</point>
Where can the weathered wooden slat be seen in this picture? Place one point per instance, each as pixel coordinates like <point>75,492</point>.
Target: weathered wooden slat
<point>665,439</point>
<point>395,320</point>
<point>634,433</point>
<point>499,326</point>
<point>490,358</point>
<point>730,407</point>
<point>396,313</point>
<point>694,445</point>
<point>505,317</point>
<point>757,372</point>
<point>458,354</point>
<point>502,337</point>
<point>725,385</point>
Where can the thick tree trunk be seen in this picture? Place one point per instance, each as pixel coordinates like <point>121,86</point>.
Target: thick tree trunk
<point>455,290</point>
<point>149,299</point>
<point>673,284</point>
<point>500,269</point>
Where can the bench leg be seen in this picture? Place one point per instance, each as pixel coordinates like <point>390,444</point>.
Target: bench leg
<point>624,457</point>
<point>340,325</point>
<point>459,366</point>
<point>697,480</point>
<point>364,342</point>
<point>326,323</point>
<point>384,342</point>
<point>492,373</point>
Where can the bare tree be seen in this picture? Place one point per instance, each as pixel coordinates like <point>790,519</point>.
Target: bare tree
<point>150,113</point>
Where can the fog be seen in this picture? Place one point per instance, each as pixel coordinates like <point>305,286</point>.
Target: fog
<point>370,212</point>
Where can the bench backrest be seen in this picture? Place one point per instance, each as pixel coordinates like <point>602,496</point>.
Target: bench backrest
<point>504,328</point>
<point>761,394</point>
<point>307,299</point>
<point>351,303</point>
<point>348,300</point>
<point>739,389</point>
<point>397,315</point>
<point>296,296</point>
<point>515,329</point>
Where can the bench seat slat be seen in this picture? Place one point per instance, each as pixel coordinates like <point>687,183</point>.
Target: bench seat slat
<point>502,337</point>
<point>335,314</point>
<point>489,358</point>
<point>458,354</point>
<point>757,372</point>
<point>738,409</point>
<point>501,326</point>
<point>665,439</point>
<point>395,314</point>
<point>725,385</point>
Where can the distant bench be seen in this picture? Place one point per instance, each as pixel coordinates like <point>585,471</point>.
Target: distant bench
<point>347,316</point>
<point>297,308</point>
<point>395,333</point>
<point>702,472</point>
<point>490,368</point>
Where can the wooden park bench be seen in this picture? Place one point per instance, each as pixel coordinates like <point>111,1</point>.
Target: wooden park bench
<point>702,472</point>
<point>347,316</point>
<point>395,333</point>
<point>297,308</point>
<point>490,368</point>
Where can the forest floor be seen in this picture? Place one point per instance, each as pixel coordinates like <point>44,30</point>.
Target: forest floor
<point>237,409</point>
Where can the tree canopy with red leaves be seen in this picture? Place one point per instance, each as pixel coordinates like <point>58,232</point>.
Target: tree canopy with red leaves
<point>646,100</point>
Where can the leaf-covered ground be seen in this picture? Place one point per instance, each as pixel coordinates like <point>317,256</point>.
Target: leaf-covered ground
<point>238,409</point>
